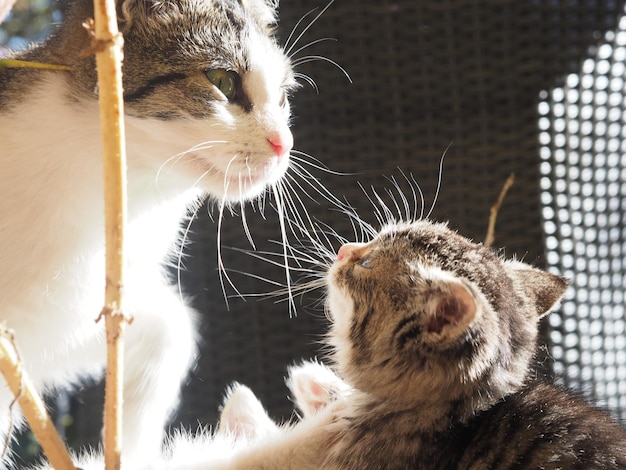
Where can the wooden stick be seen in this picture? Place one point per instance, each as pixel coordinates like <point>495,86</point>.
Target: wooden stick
<point>493,213</point>
<point>107,44</point>
<point>5,8</point>
<point>31,404</point>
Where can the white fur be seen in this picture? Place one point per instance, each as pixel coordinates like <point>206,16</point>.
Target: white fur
<point>244,416</point>
<point>247,437</point>
<point>314,386</point>
<point>52,235</point>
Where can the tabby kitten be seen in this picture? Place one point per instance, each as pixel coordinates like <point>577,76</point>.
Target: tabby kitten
<point>206,109</point>
<point>434,337</point>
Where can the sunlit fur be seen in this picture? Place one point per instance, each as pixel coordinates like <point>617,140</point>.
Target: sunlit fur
<point>184,140</point>
<point>434,336</point>
<point>244,425</point>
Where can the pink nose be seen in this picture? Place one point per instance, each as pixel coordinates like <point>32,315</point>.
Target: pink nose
<point>345,251</point>
<point>282,143</point>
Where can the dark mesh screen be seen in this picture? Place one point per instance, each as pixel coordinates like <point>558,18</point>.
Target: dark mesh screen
<point>487,77</point>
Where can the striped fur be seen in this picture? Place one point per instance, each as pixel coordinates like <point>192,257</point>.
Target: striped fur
<point>436,334</point>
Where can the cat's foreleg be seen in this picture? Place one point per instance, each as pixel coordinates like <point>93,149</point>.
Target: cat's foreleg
<point>158,349</point>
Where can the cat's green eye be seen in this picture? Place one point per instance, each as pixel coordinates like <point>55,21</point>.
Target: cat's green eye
<point>225,81</point>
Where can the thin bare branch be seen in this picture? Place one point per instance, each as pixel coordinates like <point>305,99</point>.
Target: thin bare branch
<point>493,213</point>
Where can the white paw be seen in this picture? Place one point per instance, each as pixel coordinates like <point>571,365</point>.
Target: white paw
<point>243,415</point>
<point>314,386</point>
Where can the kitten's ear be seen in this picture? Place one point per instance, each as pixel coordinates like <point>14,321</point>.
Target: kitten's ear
<point>544,288</point>
<point>243,415</point>
<point>451,309</point>
<point>264,11</point>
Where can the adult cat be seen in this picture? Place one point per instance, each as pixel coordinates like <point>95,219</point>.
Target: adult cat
<point>206,111</point>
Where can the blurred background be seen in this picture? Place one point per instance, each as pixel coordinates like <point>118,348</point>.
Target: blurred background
<point>535,88</point>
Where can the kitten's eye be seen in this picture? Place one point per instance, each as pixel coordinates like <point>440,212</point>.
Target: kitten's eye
<point>225,80</point>
<point>366,262</point>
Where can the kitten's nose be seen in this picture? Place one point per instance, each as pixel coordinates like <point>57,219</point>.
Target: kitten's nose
<point>281,142</point>
<point>346,250</point>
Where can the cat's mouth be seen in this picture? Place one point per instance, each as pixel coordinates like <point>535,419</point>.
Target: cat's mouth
<point>248,182</point>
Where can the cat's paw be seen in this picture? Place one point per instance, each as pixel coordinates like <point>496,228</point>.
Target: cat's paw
<point>313,386</point>
<point>243,415</point>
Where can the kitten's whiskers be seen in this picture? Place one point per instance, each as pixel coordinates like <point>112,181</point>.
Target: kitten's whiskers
<point>439,180</point>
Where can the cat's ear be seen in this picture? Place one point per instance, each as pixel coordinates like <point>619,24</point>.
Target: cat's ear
<point>129,10</point>
<point>144,11</point>
<point>243,415</point>
<point>451,309</point>
<point>264,11</point>
<point>544,288</point>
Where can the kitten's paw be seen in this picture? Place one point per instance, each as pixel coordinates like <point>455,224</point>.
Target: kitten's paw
<point>243,415</point>
<point>314,386</point>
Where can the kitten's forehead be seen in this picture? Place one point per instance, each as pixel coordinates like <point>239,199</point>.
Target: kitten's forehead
<point>426,243</point>
<point>425,238</point>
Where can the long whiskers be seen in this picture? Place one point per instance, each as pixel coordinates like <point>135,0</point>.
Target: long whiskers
<point>314,58</point>
<point>289,47</point>
<point>293,40</point>
<point>175,158</point>
<point>283,231</point>
<point>439,180</point>
<point>180,255</point>
<point>310,44</point>
<point>223,274</point>
<point>318,240</point>
<point>309,80</point>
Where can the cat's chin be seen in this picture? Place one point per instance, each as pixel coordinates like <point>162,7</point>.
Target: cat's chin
<point>245,185</point>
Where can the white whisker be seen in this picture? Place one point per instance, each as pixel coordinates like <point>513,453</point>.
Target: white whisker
<point>310,44</point>
<point>183,241</point>
<point>314,58</point>
<point>309,80</point>
<point>317,164</point>
<point>223,275</point>
<point>173,159</point>
<point>439,180</point>
<point>303,32</point>
<point>412,215</point>
<point>281,219</point>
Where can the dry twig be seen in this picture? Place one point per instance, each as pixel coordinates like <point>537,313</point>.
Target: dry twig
<point>31,404</point>
<point>493,213</point>
<point>107,45</point>
<point>5,8</point>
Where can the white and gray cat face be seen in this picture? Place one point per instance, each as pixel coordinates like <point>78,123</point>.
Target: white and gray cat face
<point>205,91</point>
<point>421,311</point>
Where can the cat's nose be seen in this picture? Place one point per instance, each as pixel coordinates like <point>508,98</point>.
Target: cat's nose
<point>281,142</point>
